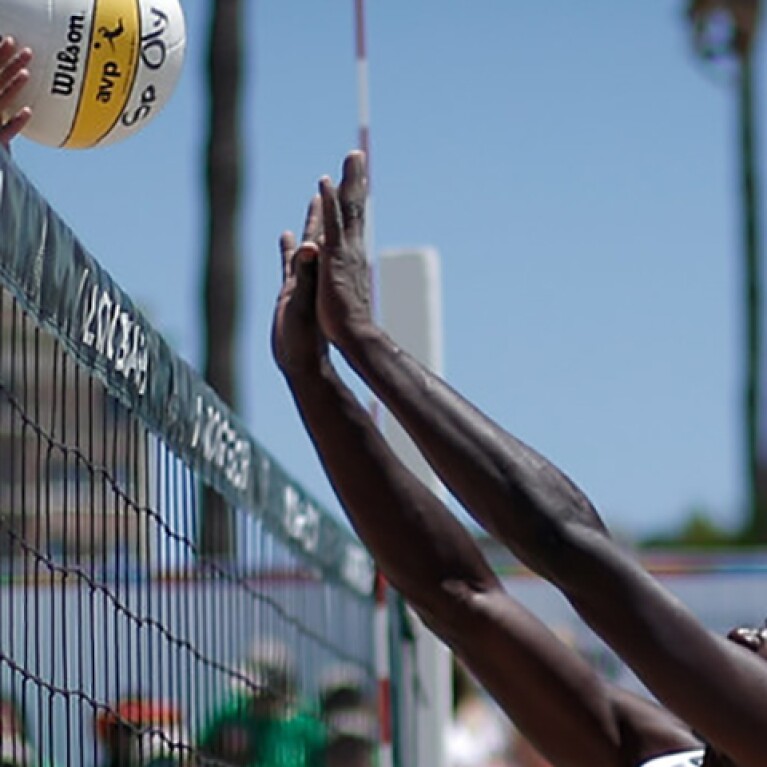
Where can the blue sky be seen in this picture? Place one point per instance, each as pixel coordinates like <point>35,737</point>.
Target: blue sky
<point>574,166</point>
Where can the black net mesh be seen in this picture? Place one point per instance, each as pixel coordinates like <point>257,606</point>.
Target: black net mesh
<point>120,643</point>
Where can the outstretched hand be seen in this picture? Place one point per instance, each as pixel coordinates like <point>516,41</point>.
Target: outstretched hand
<point>343,292</point>
<point>14,75</point>
<point>297,342</point>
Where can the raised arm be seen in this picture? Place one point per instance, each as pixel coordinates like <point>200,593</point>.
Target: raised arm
<point>549,691</point>
<point>526,502</point>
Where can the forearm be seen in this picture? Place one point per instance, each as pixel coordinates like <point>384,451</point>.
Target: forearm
<point>510,489</point>
<point>537,511</point>
<point>421,548</point>
<point>432,560</point>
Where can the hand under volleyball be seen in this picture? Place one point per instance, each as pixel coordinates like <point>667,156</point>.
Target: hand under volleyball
<point>297,342</point>
<point>343,293</point>
<point>14,75</point>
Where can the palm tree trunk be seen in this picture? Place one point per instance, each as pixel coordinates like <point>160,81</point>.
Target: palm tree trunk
<point>757,521</point>
<point>221,278</point>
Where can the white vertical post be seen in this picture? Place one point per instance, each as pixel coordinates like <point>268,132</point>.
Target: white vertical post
<point>410,304</point>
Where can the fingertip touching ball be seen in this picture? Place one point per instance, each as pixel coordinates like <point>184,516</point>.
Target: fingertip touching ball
<point>102,69</point>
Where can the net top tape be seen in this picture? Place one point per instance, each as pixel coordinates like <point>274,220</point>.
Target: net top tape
<point>66,290</point>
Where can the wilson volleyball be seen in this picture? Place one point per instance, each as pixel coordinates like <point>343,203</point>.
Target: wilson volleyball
<point>102,69</point>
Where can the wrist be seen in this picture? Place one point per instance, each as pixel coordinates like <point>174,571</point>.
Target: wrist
<point>309,372</point>
<point>357,336</point>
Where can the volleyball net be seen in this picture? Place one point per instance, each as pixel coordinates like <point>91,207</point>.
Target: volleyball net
<point>117,634</point>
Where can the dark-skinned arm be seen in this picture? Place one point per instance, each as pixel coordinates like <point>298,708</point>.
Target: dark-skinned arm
<point>521,498</point>
<point>549,691</point>
<point>551,694</point>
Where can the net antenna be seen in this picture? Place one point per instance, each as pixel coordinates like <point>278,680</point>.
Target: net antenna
<point>382,622</point>
<point>363,121</point>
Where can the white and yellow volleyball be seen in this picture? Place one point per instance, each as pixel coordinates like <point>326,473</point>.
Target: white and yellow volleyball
<point>102,69</point>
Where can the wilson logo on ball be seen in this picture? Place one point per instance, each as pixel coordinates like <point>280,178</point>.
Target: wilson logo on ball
<point>101,69</point>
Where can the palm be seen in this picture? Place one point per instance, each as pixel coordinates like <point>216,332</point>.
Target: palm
<point>297,342</point>
<point>343,298</point>
<point>343,290</point>
<point>14,75</point>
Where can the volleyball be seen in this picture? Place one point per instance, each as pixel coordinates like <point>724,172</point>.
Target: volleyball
<point>102,69</point>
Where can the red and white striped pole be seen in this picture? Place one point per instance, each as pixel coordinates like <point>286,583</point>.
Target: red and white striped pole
<point>362,77</point>
<point>363,117</point>
<point>381,618</point>
<point>383,673</point>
